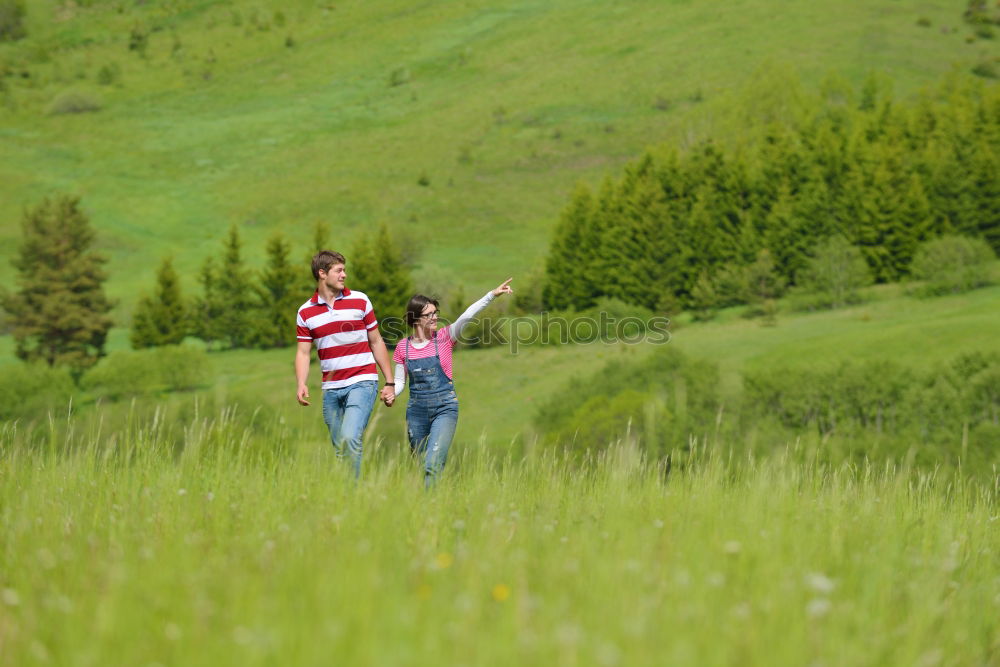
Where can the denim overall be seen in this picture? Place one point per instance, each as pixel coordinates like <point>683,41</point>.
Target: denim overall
<point>432,412</point>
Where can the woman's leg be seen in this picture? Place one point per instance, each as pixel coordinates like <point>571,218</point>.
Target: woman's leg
<point>418,426</point>
<point>442,431</point>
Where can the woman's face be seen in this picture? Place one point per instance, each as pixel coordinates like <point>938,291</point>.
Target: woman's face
<point>429,318</point>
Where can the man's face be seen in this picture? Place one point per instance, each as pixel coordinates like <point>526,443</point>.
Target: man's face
<point>335,277</point>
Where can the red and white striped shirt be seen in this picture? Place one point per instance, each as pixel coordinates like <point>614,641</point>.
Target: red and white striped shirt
<point>340,332</point>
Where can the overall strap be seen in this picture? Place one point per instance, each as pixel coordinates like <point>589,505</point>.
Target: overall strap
<point>406,353</point>
<point>437,354</point>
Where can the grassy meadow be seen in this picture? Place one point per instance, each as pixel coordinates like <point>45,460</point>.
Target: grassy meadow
<point>215,525</point>
<point>118,549</point>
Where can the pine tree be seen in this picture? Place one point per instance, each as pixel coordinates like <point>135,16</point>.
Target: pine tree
<point>235,320</point>
<point>886,238</point>
<point>690,248</point>
<point>636,249</point>
<point>207,312</point>
<point>984,170</point>
<point>280,290</point>
<point>59,311</point>
<point>913,224</point>
<point>564,286</point>
<point>763,283</point>
<point>162,318</point>
<point>704,299</point>
<point>376,269</point>
<point>787,236</point>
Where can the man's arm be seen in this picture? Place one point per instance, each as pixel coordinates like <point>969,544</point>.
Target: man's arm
<point>381,355</point>
<point>302,371</point>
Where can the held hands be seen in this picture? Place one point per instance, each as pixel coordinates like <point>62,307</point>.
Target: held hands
<point>504,288</point>
<point>388,395</point>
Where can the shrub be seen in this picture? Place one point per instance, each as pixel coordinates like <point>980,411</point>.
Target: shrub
<point>138,40</point>
<point>833,276</point>
<point>661,398</point>
<point>122,374</point>
<point>108,74</point>
<point>12,20</point>
<point>984,32</point>
<point>74,102</point>
<point>987,69</point>
<point>31,389</point>
<point>952,264</point>
<point>399,76</point>
<point>763,284</point>
<point>182,367</point>
<point>127,373</point>
<point>704,299</point>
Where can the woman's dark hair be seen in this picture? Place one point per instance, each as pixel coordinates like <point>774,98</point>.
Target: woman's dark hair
<point>415,308</point>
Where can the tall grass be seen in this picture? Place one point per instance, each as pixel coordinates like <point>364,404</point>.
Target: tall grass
<point>135,545</point>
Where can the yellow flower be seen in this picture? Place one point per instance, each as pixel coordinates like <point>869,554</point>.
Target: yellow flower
<point>443,561</point>
<point>501,592</point>
<point>424,591</point>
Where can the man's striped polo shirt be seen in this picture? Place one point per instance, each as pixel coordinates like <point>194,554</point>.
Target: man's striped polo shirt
<point>341,335</point>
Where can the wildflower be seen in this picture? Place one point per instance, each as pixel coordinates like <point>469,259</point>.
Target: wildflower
<point>424,591</point>
<point>818,607</point>
<point>242,635</point>
<point>608,654</point>
<point>46,559</point>
<point>501,592</point>
<point>181,492</point>
<point>820,583</point>
<point>443,561</point>
<point>569,634</point>
<point>172,631</point>
<point>732,547</point>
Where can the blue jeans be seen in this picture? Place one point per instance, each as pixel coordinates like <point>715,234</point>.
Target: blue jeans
<point>346,412</point>
<point>430,424</point>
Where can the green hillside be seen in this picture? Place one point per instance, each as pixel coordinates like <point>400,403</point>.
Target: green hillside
<point>462,125</point>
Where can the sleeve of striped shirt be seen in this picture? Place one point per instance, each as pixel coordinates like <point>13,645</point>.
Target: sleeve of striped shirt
<point>369,317</point>
<point>301,330</point>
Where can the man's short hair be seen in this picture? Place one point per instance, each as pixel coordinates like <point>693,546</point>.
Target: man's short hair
<point>324,259</point>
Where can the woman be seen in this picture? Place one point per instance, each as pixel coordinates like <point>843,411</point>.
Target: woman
<point>432,410</point>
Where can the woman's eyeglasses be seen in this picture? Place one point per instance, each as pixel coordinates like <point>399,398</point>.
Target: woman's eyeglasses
<point>430,316</point>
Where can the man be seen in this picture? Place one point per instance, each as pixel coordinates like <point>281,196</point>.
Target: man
<point>342,324</point>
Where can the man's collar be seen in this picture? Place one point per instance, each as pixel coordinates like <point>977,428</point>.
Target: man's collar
<point>317,299</point>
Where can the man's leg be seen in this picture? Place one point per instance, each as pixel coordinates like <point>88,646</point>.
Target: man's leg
<point>359,400</point>
<point>333,415</point>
